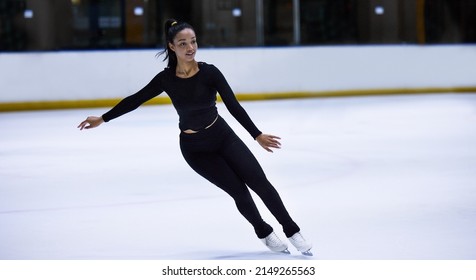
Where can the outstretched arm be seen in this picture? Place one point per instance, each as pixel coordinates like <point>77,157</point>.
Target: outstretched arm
<point>232,104</point>
<point>130,103</point>
<point>265,140</point>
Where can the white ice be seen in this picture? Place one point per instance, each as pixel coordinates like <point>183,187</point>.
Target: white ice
<point>388,177</point>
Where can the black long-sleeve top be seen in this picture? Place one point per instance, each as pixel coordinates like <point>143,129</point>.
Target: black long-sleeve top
<point>194,98</point>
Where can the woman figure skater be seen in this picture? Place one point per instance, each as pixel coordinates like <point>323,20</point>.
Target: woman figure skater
<point>207,143</point>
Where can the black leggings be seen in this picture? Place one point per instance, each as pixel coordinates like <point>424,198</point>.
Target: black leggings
<point>221,157</point>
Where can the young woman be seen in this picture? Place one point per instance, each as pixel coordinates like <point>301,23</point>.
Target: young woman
<point>208,144</point>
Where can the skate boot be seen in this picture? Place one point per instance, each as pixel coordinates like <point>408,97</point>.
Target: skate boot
<point>275,244</point>
<point>301,244</point>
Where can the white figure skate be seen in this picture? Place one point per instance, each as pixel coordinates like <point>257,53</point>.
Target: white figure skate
<point>301,244</point>
<point>275,244</point>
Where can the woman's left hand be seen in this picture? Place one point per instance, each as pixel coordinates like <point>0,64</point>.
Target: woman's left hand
<point>268,141</point>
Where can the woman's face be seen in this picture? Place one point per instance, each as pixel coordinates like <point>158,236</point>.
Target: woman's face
<point>185,45</point>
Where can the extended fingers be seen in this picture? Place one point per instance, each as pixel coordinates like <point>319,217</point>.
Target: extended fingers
<point>273,140</point>
<point>269,141</point>
<point>273,144</point>
<point>85,124</point>
<point>82,125</point>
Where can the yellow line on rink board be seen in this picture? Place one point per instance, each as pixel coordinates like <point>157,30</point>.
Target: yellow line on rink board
<point>95,103</point>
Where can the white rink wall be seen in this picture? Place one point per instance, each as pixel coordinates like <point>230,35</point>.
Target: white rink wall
<point>89,75</point>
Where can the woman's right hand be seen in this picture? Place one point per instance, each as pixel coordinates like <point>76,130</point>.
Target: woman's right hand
<point>90,122</point>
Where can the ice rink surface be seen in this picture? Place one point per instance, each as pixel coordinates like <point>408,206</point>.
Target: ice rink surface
<point>385,177</point>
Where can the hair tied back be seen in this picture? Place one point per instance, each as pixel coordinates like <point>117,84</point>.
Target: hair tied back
<point>171,28</point>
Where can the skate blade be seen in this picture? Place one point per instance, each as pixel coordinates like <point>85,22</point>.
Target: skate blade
<point>307,253</point>
<point>286,251</point>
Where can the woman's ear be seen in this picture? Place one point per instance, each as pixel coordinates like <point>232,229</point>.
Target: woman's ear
<point>171,46</point>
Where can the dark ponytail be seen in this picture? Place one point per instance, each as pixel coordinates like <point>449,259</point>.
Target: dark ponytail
<point>171,28</point>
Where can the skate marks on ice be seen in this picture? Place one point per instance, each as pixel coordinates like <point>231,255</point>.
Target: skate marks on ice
<point>236,255</point>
